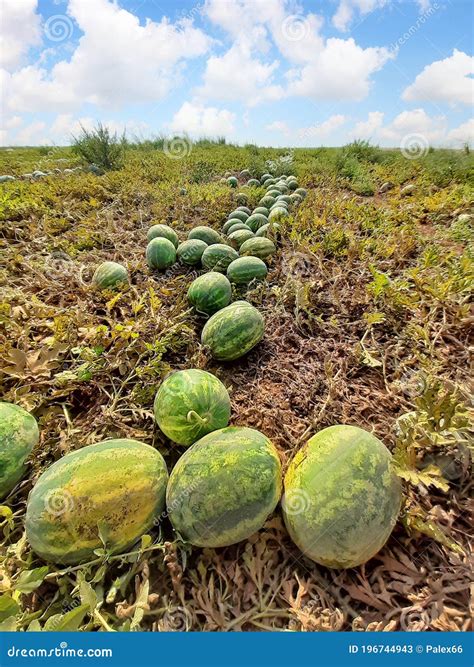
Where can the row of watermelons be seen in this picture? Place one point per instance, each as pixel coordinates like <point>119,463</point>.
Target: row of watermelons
<point>341,497</point>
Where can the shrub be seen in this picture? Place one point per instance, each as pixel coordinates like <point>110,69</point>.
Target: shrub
<point>100,147</point>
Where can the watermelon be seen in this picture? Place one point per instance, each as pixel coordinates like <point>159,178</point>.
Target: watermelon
<point>341,497</point>
<point>271,231</point>
<point>282,187</point>
<point>245,269</point>
<point>217,257</point>
<point>190,251</point>
<point>267,201</point>
<point>253,183</point>
<point>233,331</point>
<point>163,231</point>
<point>278,213</point>
<point>109,492</point>
<point>241,198</point>
<point>245,209</point>
<point>210,292</point>
<point>296,199</point>
<point>245,173</point>
<point>301,191</point>
<point>238,215</point>
<point>237,226</point>
<point>262,210</point>
<point>160,254</point>
<point>224,487</point>
<point>265,177</point>
<point>258,247</point>
<point>239,236</point>
<point>190,404</point>
<point>109,275</point>
<point>284,198</point>
<point>273,193</point>
<point>256,220</point>
<point>18,435</point>
<point>292,185</point>
<point>230,223</point>
<point>206,234</point>
<point>232,181</point>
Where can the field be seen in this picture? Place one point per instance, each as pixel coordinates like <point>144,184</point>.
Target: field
<point>367,319</point>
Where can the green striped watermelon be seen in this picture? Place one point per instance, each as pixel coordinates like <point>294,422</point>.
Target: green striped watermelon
<point>271,231</point>
<point>245,209</point>
<point>191,403</point>
<point>163,231</point>
<point>232,181</point>
<point>224,487</point>
<point>206,234</point>
<point>258,247</point>
<point>239,236</point>
<point>230,223</point>
<point>18,435</point>
<point>217,257</point>
<point>109,275</point>
<point>210,292</point>
<point>262,210</point>
<point>267,201</point>
<point>237,226</point>
<point>342,497</point>
<point>190,251</point>
<point>256,220</point>
<point>253,183</point>
<point>238,215</point>
<point>278,213</point>
<point>301,191</point>
<point>245,269</point>
<point>160,254</point>
<point>109,492</point>
<point>233,331</point>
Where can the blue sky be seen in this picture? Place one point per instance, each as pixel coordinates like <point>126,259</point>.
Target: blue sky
<point>274,72</point>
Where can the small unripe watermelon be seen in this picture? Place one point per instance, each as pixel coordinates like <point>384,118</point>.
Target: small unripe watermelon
<point>18,435</point>
<point>342,497</point>
<point>110,492</point>
<point>239,236</point>
<point>190,251</point>
<point>163,231</point>
<point>245,269</point>
<point>224,487</point>
<point>217,257</point>
<point>232,181</point>
<point>160,254</point>
<point>258,247</point>
<point>190,404</point>
<point>206,234</point>
<point>210,292</point>
<point>109,275</point>
<point>233,331</point>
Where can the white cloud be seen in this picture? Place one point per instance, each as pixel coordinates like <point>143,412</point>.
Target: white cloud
<point>462,134</point>
<point>432,129</point>
<point>30,135</point>
<point>238,76</point>
<point>341,71</point>
<point>368,128</point>
<point>198,120</point>
<point>278,126</point>
<point>347,9</point>
<point>323,130</point>
<point>21,29</point>
<point>116,61</point>
<point>449,80</point>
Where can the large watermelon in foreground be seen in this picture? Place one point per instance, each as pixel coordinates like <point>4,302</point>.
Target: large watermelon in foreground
<point>111,492</point>
<point>18,435</point>
<point>190,404</point>
<point>233,331</point>
<point>109,275</point>
<point>341,497</point>
<point>224,487</point>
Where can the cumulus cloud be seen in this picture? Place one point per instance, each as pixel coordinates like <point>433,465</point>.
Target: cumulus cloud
<point>462,134</point>
<point>348,9</point>
<point>322,130</point>
<point>368,128</point>
<point>198,120</point>
<point>449,80</point>
<point>21,29</point>
<point>117,61</point>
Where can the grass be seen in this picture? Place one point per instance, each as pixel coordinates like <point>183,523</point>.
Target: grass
<point>367,312</point>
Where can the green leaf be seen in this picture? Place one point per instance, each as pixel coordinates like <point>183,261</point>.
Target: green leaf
<point>34,626</point>
<point>8,625</point>
<point>88,595</point>
<point>8,607</point>
<point>30,580</point>
<point>68,622</point>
